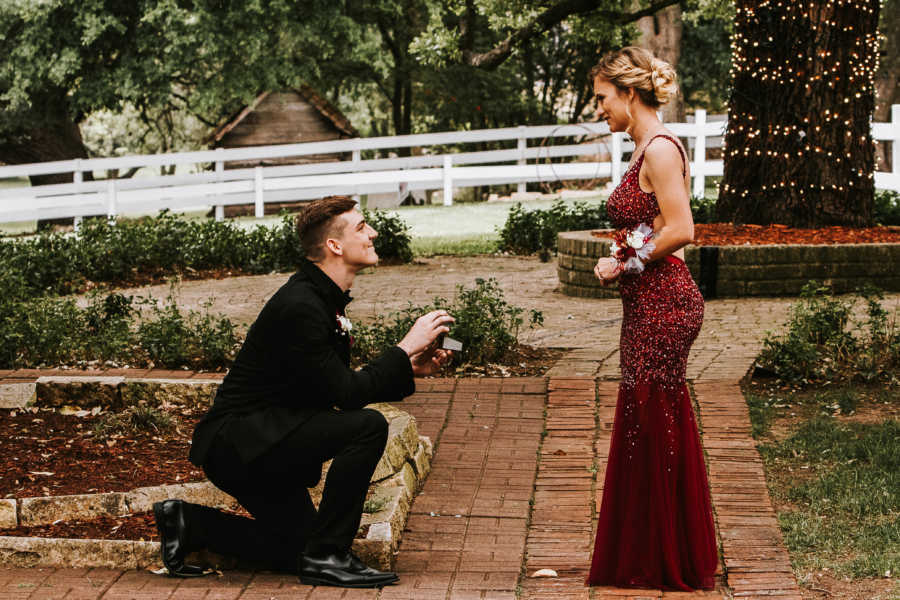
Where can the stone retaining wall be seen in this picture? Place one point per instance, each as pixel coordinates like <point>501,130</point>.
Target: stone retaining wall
<point>736,271</point>
<point>397,479</point>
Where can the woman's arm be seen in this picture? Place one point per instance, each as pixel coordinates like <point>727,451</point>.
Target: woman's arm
<point>663,167</point>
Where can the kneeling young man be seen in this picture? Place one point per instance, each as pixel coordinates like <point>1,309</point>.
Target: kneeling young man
<point>291,402</point>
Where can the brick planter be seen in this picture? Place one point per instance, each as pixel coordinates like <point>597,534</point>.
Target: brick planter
<point>736,271</point>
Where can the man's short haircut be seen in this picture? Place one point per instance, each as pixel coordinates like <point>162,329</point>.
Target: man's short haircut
<point>318,222</point>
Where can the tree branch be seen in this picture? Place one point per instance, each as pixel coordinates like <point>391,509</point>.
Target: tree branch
<point>547,20</point>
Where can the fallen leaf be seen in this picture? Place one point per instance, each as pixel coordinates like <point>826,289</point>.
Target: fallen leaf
<point>544,573</point>
<point>560,452</point>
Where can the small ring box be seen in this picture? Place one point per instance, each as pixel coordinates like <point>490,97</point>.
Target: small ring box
<point>449,343</point>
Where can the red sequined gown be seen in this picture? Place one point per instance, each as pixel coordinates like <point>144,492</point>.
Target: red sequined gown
<point>655,528</point>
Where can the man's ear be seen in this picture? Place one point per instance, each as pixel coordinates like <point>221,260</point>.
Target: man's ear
<point>334,246</point>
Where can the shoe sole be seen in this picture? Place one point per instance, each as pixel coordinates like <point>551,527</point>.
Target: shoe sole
<point>317,581</point>
<point>160,518</point>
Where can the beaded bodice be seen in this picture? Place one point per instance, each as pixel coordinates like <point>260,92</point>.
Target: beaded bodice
<point>629,205</point>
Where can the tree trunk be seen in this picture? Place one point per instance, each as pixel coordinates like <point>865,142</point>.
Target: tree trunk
<point>661,35</point>
<point>887,82</point>
<point>799,149</point>
<point>60,142</point>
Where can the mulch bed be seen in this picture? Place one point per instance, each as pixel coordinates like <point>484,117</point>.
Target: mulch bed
<point>44,453</point>
<point>139,527</point>
<point>522,361</point>
<point>728,234</point>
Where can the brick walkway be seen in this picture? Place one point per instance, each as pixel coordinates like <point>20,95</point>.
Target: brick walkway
<point>491,513</point>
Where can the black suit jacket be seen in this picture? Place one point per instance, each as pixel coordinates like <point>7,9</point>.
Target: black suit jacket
<point>294,363</point>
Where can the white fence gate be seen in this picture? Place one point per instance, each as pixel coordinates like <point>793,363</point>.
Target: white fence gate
<point>432,170</point>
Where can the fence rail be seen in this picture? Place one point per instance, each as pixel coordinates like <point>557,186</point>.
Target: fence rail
<point>214,185</point>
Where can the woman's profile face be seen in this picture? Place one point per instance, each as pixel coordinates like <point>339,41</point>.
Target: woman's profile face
<point>612,104</point>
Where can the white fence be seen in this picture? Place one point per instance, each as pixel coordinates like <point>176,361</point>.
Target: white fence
<point>430,171</point>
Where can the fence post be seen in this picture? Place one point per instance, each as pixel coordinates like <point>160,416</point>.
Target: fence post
<point>521,145</point>
<point>448,180</point>
<point>616,158</point>
<point>77,178</point>
<point>258,189</point>
<point>895,141</point>
<point>111,201</point>
<point>357,157</point>
<point>700,153</point>
<point>220,169</point>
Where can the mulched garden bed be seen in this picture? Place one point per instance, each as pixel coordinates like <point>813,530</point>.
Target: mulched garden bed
<point>139,527</point>
<point>728,234</point>
<point>522,361</point>
<point>44,453</point>
<point>136,527</point>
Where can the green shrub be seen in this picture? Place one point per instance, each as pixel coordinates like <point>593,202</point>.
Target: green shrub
<point>56,331</point>
<point>393,242</point>
<point>887,207</point>
<point>168,338</point>
<point>703,209</point>
<point>823,343</point>
<point>528,231</point>
<point>57,263</point>
<point>486,324</point>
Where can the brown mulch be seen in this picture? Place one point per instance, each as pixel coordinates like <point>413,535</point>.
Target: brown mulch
<point>44,453</point>
<point>139,527</point>
<point>523,361</point>
<point>728,234</point>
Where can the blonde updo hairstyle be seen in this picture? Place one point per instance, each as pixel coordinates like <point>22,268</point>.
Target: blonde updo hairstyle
<point>635,68</point>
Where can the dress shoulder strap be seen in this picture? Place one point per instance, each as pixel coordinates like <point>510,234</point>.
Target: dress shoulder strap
<point>677,145</point>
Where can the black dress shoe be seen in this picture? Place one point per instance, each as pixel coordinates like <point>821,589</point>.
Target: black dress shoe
<point>172,526</point>
<point>342,570</point>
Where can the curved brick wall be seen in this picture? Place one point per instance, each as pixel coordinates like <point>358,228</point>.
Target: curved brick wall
<point>734,271</point>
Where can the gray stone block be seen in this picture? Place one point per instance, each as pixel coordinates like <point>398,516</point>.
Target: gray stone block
<point>56,552</point>
<point>46,510</point>
<point>8,518</point>
<point>85,392</point>
<point>200,492</point>
<point>171,392</point>
<point>16,395</point>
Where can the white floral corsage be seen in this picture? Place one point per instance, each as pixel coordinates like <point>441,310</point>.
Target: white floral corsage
<point>633,247</point>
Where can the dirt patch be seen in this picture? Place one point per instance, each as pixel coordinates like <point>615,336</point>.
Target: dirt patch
<point>44,453</point>
<point>821,585</point>
<point>523,361</point>
<point>728,234</point>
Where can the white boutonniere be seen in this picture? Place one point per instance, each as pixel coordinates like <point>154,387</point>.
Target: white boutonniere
<point>344,325</point>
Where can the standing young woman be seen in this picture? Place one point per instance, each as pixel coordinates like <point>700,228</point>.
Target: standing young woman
<point>655,527</point>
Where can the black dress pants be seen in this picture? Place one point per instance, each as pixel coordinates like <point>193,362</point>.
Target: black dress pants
<point>273,488</point>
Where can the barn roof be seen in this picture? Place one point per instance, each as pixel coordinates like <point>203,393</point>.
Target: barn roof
<point>325,108</point>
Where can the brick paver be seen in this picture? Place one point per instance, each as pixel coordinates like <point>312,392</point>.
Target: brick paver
<point>490,513</point>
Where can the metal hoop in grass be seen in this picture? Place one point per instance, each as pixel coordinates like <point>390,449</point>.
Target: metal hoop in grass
<point>545,184</point>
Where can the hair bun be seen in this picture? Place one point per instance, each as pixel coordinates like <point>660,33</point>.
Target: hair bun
<point>662,78</point>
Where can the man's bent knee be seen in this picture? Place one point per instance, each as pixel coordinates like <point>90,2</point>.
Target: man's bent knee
<point>374,424</point>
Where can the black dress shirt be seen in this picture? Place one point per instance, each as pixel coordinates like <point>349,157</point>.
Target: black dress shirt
<point>294,363</point>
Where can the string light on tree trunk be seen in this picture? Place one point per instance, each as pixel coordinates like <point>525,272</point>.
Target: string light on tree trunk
<point>803,92</point>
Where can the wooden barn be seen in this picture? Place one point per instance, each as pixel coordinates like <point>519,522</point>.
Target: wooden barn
<point>284,117</point>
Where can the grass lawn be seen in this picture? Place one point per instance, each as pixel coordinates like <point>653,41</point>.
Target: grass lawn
<point>832,460</point>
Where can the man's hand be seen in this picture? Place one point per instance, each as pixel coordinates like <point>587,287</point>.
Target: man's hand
<point>430,361</point>
<point>425,331</point>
